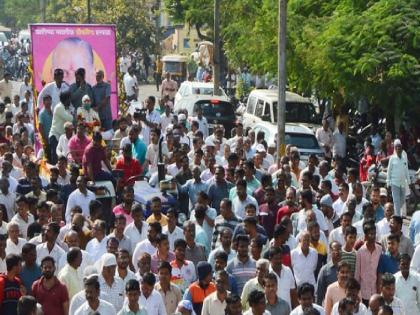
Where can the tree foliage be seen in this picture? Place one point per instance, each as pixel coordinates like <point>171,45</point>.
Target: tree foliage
<point>19,13</point>
<point>135,19</point>
<point>136,27</point>
<point>195,13</point>
<point>342,50</point>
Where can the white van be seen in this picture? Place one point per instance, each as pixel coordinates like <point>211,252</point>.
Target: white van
<point>24,35</point>
<point>262,106</point>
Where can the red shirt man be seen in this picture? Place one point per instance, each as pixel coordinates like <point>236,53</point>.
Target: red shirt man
<point>49,291</point>
<point>130,167</point>
<point>11,287</point>
<point>78,143</point>
<point>93,157</point>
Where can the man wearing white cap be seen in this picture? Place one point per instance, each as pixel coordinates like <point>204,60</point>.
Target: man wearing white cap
<point>85,113</point>
<point>111,284</point>
<point>383,196</point>
<point>397,177</point>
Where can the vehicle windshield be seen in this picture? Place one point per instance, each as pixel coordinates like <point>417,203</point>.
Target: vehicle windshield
<point>302,141</point>
<point>298,113</point>
<point>205,91</point>
<point>173,67</point>
<point>217,108</point>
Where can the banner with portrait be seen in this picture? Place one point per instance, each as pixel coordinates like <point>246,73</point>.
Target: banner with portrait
<point>73,46</point>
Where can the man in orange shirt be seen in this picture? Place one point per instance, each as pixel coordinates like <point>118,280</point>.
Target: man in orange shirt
<point>199,290</point>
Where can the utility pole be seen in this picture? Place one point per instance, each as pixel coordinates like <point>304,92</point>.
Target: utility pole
<point>216,49</point>
<point>282,80</point>
<point>42,6</point>
<point>89,13</point>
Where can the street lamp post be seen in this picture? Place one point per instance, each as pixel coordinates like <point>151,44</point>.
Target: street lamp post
<point>216,50</point>
<point>282,79</point>
<point>42,6</point>
<point>89,13</point>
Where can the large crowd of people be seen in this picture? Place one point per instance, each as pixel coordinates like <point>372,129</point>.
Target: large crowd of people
<point>236,230</point>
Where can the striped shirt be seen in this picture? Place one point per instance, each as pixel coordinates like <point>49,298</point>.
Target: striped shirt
<point>242,271</point>
<point>220,223</point>
<point>350,258</point>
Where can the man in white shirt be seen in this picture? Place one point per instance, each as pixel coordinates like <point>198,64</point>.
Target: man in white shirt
<point>110,283</point>
<point>62,149</point>
<point>286,285</point>
<point>166,118</point>
<point>150,298</point>
<point>148,245</point>
<point>70,274</point>
<point>3,242</point>
<point>339,141</point>
<point>383,225</point>
<point>125,63</point>
<point>93,302</point>
<point>151,120</point>
<point>72,240</point>
<point>7,198</point>
<point>136,231</point>
<point>242,199</point>
<point>96,247</point>
<point>325,138</point>
<point>23,217</point>
<point>397,177</point>
<point>306,199</point>
<point>304,261</point>
<point>306,297</point>
<point>130,85</point>
<point>61,115</point>
<point>338,234</point>
<point>14,243</point>
<point>123,271</point>
<point>50,247</point>
<point>340,204</point>
<point>131,304</point>
<point>54,89</point>
<point>203,125</point>
<point>173,231</point>
<point>25,86</point>
<point>6,169</point>
<point>257,302</point>
<point>360,200</point>
<point>388,292</point>
<point>80,197</point>
<point>215,303</point>
<point>407,284</point>
<point>6,86</point>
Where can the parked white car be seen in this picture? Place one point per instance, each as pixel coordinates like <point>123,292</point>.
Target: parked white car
<point>262,106</point>
<point>190,91</point>
<point>298,135</point>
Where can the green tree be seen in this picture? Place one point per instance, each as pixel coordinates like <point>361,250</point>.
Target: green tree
<point>136,28</point>
<point>195,13</point>
<point>342,50</point>
<point>19,13</point>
